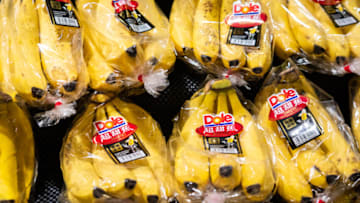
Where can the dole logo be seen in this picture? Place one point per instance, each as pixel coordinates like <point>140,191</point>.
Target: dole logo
<point>220,119</point>
<point>113,122</point>
<point>285,95</point>
<point>246,9</point>
<point>122,5</point>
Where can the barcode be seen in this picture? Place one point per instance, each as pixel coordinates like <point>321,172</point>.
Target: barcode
<point>224,150</point>
<point>140,28</point>
<point>66,21</point>
<point>131,157</point>
<point>243,42</point>
<point>305,136</point>
<point>345,21</point>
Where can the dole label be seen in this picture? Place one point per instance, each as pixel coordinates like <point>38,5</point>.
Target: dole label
<point>113,130</point>
<point>286,103</point>
<point>245,15</point>
<point>221,125</point>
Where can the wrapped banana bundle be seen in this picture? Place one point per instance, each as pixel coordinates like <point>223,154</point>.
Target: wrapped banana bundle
<point>218,152</point>
<point>17,154</point>
<point>115,151</point>
<point>41,53</point>
<point>320,33</point>
<point>314,151</point>
<point>225,37</point>
<point>127,44</point>
<point>355,108</point>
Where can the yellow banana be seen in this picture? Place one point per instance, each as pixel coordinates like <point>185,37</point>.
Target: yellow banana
<point>225,170</point>
<point>259,60</point>
<point>25,57</point>
<point>232,56</point>
<point>337,148</point>
<point>78,171</point>
<point>191,160</point>
<point>338,48</point>
<point>181,25</point>
<point>147,184</point>
<point>355,115</point>
<point>258,180</point>
<point>291,184</point>
<point>352,31</point>
<point>59,46</point>
<point>285,42</point>
<point>206,31</point>
<point>307,32</point>
<point>159,49</point>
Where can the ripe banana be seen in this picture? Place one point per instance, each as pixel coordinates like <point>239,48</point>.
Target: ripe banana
<point>232,56</point>
<point>206,31</point>
<point>285,42</point>
<point>308,33</point>
<point>225,169</point>
<point>17,175</point>
<point>258,180</point>
<point>25,58</point>
<point>259,60</point>
<point>181,25</point>
<point>355,115</point>
<point>352,31</point>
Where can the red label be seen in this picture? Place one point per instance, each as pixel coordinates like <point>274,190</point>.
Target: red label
<point>328,2</point>
<point>245,15</point>
<point>65,1</point>
<point>221,125</point>
<point>113,130</point>
<point>122,5</point>
<point>286,103</point>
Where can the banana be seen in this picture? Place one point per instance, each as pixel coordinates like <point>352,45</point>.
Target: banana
<point>259,60</point>
<point>225,169</point>
<point>285,42</point>
<point>308,33</point>
<point>291,184</point>
<point>6,86</point>
<point>59,46</point>
<point>355,113</point>
<point>158,50</point>
<point>258,180</point>
<point>352,31</point>
<point>232,56</point>
<point>206,31</point>
<point>8,172</point>
<point>338,49</point>
<point>128,54</point>
<point>25,57</point>
<point>181,25</point>
<point>191,161</point>
<point>334,144</point>
<point>147,185</point>
<point>26,156</point>
<point>78,171</point>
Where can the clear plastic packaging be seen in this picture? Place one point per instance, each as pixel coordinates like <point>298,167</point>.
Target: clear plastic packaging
<point>355,108</point>
<point>223,36</point>
<point>41,59</point>
<point>218,152</point>
<point>115,151</point>
<point>322,35</point>
<point>17,154</point>
<point>315,155</point>
<point>127,44</point>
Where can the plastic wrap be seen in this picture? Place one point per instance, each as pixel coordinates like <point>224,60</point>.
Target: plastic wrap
<point>127,44</point>
<point>115,151</point>
<point>41,60</point>
<point>217,150</point>
<point>17,154</point>
<point>223,36</point>
<point>322,34</point>
<point>314,151</point>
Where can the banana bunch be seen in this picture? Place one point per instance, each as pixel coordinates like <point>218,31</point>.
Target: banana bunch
<point>198,166</point>
<point>319,162</point>
<point>303,26</point>
<point>37,56</point>
<point>17,154</point>
<point>355,109</point>
<point>91,174</point>
<point>199,28</point>
<point>136,55</point>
